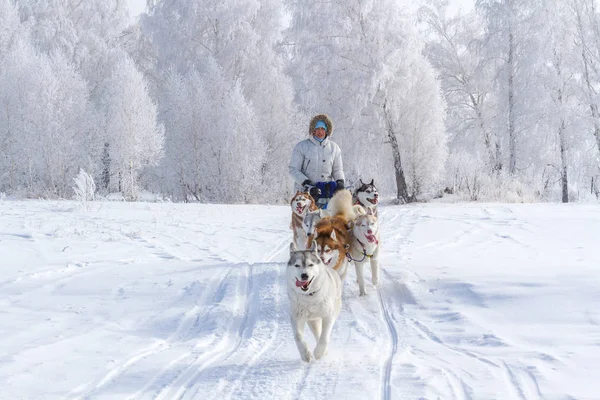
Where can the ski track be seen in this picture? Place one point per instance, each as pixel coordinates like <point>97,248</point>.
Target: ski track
<point>188,321</point>
<point>179,387</point>
<point>251,361</point>
<point>520,381</point>
<point>185,383</point>
<point>386,389</point>
<point>407,222</point>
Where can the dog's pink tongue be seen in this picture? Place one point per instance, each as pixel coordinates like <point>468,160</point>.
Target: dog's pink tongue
<point>300,283</point>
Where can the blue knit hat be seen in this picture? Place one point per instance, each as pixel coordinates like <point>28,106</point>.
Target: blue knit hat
<point>321,124</point>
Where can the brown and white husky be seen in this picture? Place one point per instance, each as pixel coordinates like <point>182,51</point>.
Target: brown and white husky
<point>332,234</point>
<point>301,204</point>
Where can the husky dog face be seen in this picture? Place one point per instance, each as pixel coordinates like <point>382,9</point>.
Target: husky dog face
<point>366,228</point>
<point>329,252</point>
<point>303,267</point>
<point>367,194</point>
<point>309,222</point>
<point>329,249</point>
<point>301,203</point>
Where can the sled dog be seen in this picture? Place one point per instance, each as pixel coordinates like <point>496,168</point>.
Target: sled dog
<point>315,293</point>
<point>301,204</point>
<point>332,234</point>
<point>309,224</point>
<point>364,247</point>
<point>367,196</point>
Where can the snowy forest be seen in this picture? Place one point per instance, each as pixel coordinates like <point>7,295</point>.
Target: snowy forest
<point>203,100</point>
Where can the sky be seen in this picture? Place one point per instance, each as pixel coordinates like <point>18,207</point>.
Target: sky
<point>136,7</point>
<point>120,300</point>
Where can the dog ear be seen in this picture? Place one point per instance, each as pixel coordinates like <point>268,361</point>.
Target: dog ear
<point>372,180</point>
<point>369,211</point>
<point>293,248</point>
<point>313,246</point>
<point>333,236</point>
<point>350,225</point>
<point>361,182</point>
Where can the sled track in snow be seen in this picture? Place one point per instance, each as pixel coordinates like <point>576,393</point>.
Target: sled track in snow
<point>386,390</point>
<point>407,221</point>
<point>182,384</point>
<point>189,319</point>
<point>220,351</point>
<point>238,382</point>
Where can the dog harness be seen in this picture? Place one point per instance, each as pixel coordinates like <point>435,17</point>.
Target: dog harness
<point>365,255</point>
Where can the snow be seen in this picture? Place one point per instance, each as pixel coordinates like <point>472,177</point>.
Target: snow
<point>113,300</point>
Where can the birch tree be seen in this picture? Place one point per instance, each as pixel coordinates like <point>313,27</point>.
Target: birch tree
<point>135,139</point>
<point>510,45</point>
<point>587,40</point>
<point>454,50</point>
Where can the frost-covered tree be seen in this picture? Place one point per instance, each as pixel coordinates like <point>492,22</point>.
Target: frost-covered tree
<point>86,32</point>
<point>214,149</point>
<point>529,118</point>
<point>510,49</point>
<point>10,25</point>
<point>560,113</point>
<point>43,118</point>
<point>134,137</point>
<point>240,39</point>
<point>587,40</point>
<point>418,126</point>
<point>453,49</point>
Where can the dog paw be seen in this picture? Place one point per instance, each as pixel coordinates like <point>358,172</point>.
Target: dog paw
<point>307,356</point>
<point>320,351</point>
<point>375,282</point>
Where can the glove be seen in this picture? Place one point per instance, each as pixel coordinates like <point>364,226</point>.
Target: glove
<point>315,193</point>
<point>308,182</point>
<point>312,189</point>
<point>339,185</point>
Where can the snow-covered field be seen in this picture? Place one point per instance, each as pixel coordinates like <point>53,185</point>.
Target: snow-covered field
<point>187,301</point>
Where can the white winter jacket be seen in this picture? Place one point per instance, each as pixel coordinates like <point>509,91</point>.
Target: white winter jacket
<point>319,162</point>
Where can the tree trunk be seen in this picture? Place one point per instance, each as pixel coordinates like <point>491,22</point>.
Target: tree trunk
<point>490,141</point>
<point>106,167</point>
<point>561,128</point>
<point>563,161</point>
<point>402,189</point>
<point>510,65</point>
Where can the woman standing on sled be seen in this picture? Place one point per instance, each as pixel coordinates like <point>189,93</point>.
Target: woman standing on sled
<point>316,164</point>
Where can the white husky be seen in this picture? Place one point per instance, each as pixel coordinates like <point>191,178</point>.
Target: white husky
<point>309,224</point>
<point>315,293</point>
<point>364,247</point>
